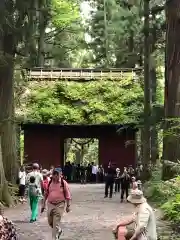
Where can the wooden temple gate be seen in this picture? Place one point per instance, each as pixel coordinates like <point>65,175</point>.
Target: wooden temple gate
<point>45,143</point>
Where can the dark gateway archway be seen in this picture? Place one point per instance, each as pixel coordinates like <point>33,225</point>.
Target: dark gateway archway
<point>45,142</point>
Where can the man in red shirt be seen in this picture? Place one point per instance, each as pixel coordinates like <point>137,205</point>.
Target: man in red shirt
<point>58,198</point>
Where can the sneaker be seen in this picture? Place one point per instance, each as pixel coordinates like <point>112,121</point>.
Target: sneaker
<point>33,220</point>
<point>59,234</point>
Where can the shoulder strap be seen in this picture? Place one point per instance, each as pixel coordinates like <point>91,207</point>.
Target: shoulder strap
<point>48,186</point>
<point>62,184</point>
<point>64,190</point>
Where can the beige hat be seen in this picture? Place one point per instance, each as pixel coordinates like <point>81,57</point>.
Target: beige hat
<point>136,197</point>
<point>44,171</point>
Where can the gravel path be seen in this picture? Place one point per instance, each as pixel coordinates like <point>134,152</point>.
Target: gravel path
<point>92,216</point>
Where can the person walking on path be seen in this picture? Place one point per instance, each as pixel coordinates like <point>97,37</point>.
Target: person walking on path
<point>134,184</point>
<point>117,180</point>
<point>94,172</point>
<point>35,173</point>
<point>58,199</point>
<point>33,193</point>
<point>22,184</point>
<point>125,184</point>
<point>143,221</point>
<point>38,183</point>
<point>109,182</point>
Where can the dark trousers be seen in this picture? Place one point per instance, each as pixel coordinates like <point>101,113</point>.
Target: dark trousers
<point>93,178</point>
<point>109,185</point>
<point>117,185</point>
<point>123,191</point>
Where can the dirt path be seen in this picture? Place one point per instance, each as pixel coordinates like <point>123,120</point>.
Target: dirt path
<point>92,216</point>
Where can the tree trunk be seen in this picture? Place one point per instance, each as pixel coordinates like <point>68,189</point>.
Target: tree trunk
<point>153,77</point>
<point>147,102</point>
<point>8,131</point>
<point>18,143</point>
<point>154,132</point>
<point>4,191</point>
<point>171,141</point>
<point>31,40</point>
<point>67,146</point>
<point>42,27</point>
<point>78,156</point>
<point>141,146</point>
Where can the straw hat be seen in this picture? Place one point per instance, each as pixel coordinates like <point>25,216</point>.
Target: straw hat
<point>136,197</point>
<point>44,171</point>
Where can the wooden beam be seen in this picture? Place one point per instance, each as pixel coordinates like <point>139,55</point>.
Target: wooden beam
<point>40,74</point>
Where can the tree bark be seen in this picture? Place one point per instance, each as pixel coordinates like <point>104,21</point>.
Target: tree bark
<point>42,27</point>
<point>153,78</point>
<point>7,126</point>
<point>18,143</point>
<point>147,101</point>
<point>171,141</point>
<point>4,191</point>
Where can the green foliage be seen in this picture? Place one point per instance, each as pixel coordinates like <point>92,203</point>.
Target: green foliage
<point>112,29</point>
<point>92,103</point>
<point>64,13</point>
<point>66,36</point>
<point>90,152</point>
<point>172,209</point>
<point>165,194</point>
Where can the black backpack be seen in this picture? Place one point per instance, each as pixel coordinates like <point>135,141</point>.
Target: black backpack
<point>62,184</point>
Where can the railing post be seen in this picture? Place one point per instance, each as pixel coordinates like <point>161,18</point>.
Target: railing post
<point>111,74</point>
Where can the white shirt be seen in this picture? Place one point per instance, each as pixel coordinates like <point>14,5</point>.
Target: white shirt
<point>22,178</point>
<point>94,170</point>
<point>145,217</point>
<point>38,177</point>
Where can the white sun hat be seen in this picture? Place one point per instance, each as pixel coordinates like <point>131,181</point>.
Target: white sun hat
<point>136,197</point>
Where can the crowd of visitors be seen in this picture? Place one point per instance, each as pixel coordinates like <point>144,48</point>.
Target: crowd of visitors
<point>50,189</point>
<point>115,181</point>
<point>80,173</point>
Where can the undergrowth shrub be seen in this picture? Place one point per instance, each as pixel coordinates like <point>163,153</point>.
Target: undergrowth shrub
<point>165,194</point>
<point>171,209</point>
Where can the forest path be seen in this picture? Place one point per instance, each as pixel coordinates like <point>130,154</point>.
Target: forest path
<point>92,216</point>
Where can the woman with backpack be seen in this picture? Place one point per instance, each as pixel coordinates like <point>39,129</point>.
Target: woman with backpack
<point>34,192</point>
<point>34,181</point>
<point>58,198</point>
